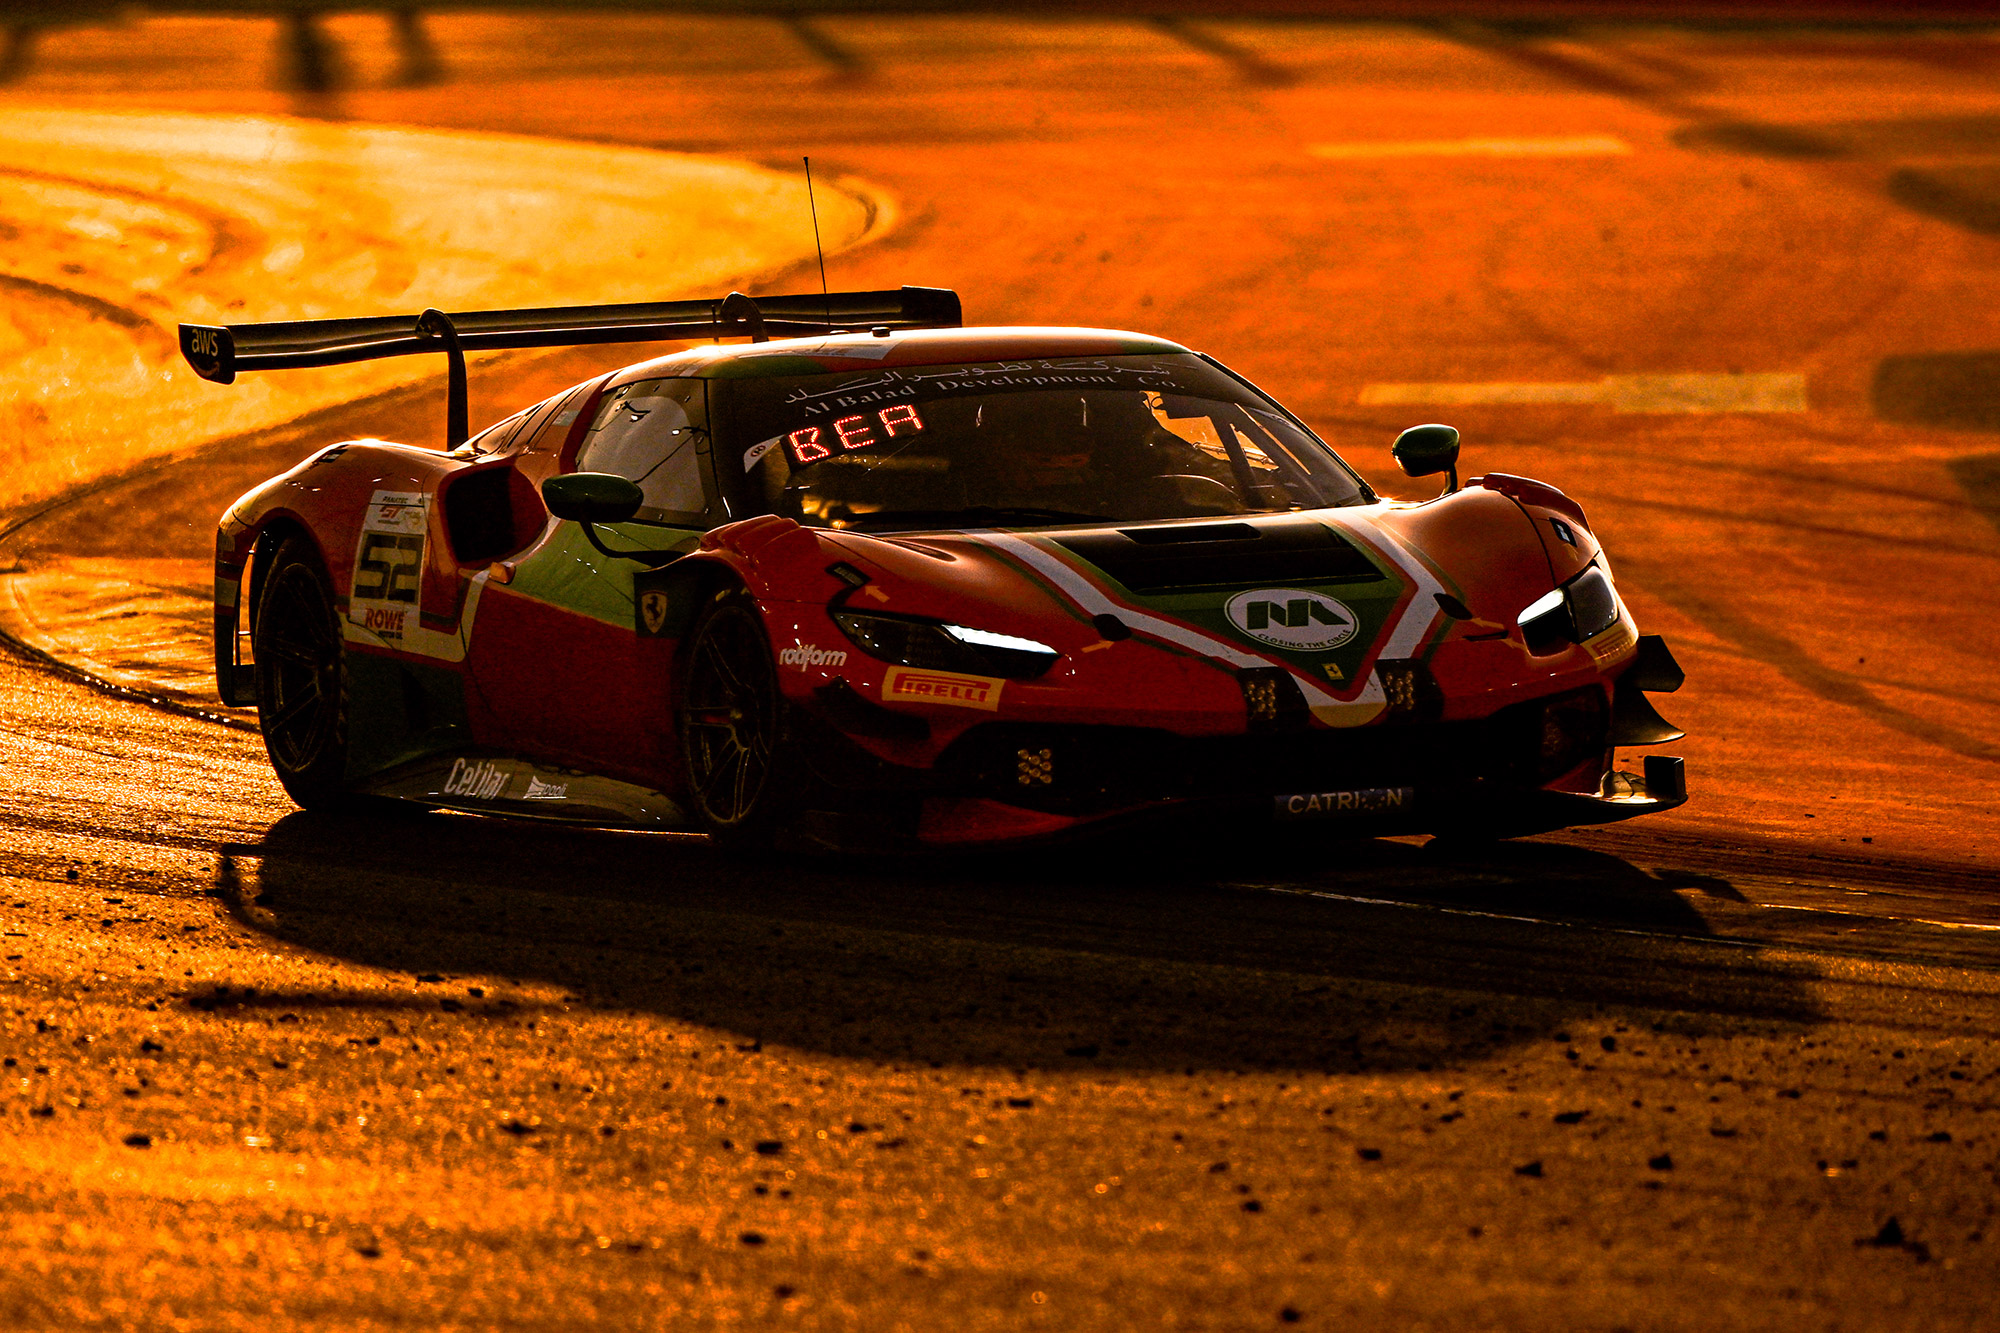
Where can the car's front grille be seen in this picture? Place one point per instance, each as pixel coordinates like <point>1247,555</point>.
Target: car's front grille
<point>1087,769</point>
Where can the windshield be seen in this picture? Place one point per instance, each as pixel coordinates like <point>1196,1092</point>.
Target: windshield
<point>1020,444</point>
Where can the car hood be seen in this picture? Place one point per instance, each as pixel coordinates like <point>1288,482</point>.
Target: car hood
<point>1322,594</point>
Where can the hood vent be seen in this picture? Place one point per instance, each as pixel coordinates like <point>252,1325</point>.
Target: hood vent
<point>1216,555</point>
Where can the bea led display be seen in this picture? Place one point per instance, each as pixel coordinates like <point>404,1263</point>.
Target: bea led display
<point>810,444</point>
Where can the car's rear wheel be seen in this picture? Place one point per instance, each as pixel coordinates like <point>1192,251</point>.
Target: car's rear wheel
<point>301,677</point>
<point>731,724</point>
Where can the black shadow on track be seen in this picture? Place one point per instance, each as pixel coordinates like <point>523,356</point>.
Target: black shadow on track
<point>1954,390</point>
<point>1213,954</point>
<point>1980,475</point>
<point>1965,194</point>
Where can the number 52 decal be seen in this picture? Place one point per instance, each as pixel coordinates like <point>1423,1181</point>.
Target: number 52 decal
<point>389,563</point>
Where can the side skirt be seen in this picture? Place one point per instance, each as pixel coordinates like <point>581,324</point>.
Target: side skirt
<point>499,784</point>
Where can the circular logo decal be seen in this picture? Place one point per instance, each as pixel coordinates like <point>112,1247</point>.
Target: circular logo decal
<point>1305,622</point>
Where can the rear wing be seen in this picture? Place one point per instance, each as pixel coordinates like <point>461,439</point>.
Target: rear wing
<point>219,352</point>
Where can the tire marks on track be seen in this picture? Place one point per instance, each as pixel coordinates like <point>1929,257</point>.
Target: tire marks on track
<point>154,339</point>
<point>1767,645</point>
<point>56,666</point>
<point>1250,67</point>
<point>233,239</point>
<point>1753,518</point>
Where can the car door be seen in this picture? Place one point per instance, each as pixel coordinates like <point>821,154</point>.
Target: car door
<point>554,652</point>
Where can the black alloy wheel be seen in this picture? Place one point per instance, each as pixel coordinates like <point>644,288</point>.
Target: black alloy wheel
<point>731,721</point>
<point>301,677</point>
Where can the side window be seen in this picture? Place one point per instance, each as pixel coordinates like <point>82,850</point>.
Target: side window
<point>655,432</point>
<point>551,429</point>
<point>495,436</point>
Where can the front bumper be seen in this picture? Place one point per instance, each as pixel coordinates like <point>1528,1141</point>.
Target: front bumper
<point>1451,810</point>
<point>1006,781</point>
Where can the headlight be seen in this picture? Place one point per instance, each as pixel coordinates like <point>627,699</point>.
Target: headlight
<point>1541,606</point>
<point>933,646</point>
<point>1581,608</point>
<point>982,638</point>
<point>1593,607</point>
<point>1545,624</point>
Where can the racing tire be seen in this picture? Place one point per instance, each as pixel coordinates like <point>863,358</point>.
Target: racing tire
<point>301,675</point>
<point>730,714</point>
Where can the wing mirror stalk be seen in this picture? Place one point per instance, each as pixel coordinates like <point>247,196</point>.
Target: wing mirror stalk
<point>1425,451</point>
<point>590,498</point>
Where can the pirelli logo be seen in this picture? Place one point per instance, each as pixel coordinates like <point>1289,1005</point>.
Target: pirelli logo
<point>909,685</point>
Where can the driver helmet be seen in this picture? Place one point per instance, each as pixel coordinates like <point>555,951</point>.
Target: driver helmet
<point>1038,439</point>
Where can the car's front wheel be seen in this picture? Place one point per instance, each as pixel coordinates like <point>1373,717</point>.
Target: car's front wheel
<point>731,724</point>
<point>301,677</point>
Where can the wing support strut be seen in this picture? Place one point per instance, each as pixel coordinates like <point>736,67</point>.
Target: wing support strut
<point>457,411</point>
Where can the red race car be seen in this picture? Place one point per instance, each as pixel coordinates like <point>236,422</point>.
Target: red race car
<point>883,581</point>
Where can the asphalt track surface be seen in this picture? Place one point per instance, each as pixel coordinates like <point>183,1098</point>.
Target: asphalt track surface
<point>1731,1067</point>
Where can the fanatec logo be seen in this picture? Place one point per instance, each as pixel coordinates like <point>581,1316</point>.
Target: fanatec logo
<point>1306,622</point>
<point>811,655</point>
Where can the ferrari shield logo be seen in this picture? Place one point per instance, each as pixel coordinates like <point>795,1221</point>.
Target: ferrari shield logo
<point>652,611</point>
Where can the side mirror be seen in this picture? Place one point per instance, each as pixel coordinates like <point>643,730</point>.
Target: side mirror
<point>1425,451</point>
<point>592,497</point>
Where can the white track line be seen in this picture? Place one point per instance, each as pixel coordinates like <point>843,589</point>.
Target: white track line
<point>1763,392</point>
<point>1493,916</point>
<point>1876,916</point>
<point>1575,145</point>
<point>1421,906</point>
